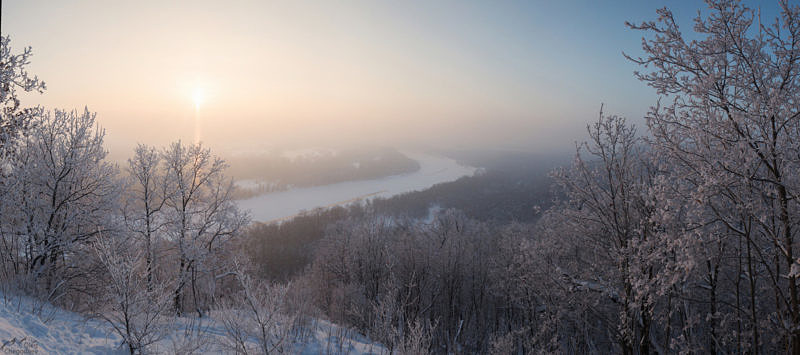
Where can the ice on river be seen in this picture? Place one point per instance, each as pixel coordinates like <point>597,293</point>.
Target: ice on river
<point>279,205</point>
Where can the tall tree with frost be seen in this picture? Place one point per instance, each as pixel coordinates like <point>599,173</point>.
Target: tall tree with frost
<point>731,117</point>
<point>66,194</point>
<point>57,193</point>
<point>609,206</point>
<point>145,198</point>
<point>201,212</point>
<point>14,119</point>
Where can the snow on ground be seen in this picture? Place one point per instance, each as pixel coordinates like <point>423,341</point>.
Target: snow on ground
<point>332,339</point>
<point>30,327</point>
<point>284,204</point>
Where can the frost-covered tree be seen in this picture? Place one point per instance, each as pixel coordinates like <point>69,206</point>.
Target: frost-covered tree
<point>129,302</point>
<point>57,193</point>
<point>65,196</point>
<point>146,195</point>
<point>202,216</point>
<point>728,126</point>
<point>14,118</point>
<point>415,285</point>
<point>257,312</point>
<point>609,210</point>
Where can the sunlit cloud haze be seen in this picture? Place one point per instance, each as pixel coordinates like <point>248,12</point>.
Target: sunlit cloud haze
<point>432,74</point>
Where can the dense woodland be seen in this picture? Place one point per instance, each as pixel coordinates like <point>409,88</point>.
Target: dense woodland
<point>511,187</point>
<point>681,237</point>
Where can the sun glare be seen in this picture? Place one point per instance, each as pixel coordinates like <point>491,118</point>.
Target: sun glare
<point>197,97</point>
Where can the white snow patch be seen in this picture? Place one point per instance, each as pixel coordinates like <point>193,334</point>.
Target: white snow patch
<point>30,327</point>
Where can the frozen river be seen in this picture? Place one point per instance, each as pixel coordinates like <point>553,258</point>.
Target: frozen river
<point>279,205</point>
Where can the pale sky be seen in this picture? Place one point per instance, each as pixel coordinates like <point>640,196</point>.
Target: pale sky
<point>445,74</point>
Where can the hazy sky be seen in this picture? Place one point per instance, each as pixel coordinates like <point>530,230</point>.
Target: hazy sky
<point>509,75</point>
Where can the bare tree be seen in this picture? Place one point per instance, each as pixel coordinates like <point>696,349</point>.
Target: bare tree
<point>201,213</point>
<point>66,195</point>
<point>258,312</point>
<point>133,306</point>
<point>608,206</point>
<point>147,194</point>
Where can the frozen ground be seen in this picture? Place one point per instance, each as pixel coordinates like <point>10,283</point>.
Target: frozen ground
<point>280,205</point>
<point>30,327</point>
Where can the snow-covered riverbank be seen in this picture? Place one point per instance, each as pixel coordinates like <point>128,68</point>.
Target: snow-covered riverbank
<point>279,205</point>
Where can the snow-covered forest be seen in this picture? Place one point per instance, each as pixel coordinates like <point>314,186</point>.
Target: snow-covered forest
<point>682,236</point>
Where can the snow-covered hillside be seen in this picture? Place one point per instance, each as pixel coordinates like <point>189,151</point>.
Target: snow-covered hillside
<point>31,327</point>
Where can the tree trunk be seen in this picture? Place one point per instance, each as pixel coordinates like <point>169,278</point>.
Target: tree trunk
<point>179,290</point>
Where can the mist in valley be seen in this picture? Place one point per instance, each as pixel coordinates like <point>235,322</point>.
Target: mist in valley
<point>368,177</point>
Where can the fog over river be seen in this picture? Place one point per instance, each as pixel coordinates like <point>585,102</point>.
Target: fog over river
<point>280,205</point>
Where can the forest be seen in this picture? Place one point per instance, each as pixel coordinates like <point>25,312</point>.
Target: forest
<point>682,236</point>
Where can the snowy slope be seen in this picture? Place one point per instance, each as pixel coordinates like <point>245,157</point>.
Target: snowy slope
<point>28,327</point>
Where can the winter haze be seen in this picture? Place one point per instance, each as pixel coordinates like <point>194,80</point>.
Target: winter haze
<point>400,177</point>
<point>445,74</point>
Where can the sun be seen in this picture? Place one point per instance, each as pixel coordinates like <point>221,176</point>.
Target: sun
<point>198,96</point>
